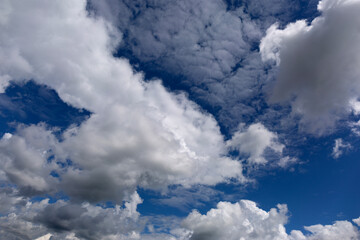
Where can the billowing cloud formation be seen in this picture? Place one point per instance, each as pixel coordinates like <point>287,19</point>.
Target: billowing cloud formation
<point>138,135</point>
<point>244,220</point>
<point>318,63</point>
<point>64,220</point>
<point>339,230</point>
<point>241,220</point>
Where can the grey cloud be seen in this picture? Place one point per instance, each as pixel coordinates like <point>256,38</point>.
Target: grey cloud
<point>242,220</point>
<point>208,47</point>
<point>65,220</point>
<point>187,198</point>
<point>318,64</point>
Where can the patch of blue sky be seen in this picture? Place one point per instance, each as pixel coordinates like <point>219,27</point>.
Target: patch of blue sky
<point>30,103</point>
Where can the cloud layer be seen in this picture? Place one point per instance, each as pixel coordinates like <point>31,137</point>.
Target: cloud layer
<point>141,135</point>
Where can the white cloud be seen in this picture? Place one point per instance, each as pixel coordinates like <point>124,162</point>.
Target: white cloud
<point>339,147</point>
<point>138,135</point>
<point>253,141</point>
<point>318,64</point>
<point>287,161</point>
<point>339,230</point>
<point>355,105</point>
<point>244,220</point>
<point>357,221</point>
<point>26,165</point>
<point>45,237</point>
<point>240,220</point>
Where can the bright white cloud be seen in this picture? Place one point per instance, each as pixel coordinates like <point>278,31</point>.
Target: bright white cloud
<point>357,221</point>
<point>244,220</point>
<point>138,135</point>
<point>318,64</point>
<point>253,141</point>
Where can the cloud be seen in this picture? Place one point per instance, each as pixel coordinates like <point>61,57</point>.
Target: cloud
<point>253,141</point>
<point>24,165</point>
<point>318,64</point>
<point>339,147</point>
<point>65,220</point>
<point>202,43</point>
<point>242,220</point>
<point>139,134</point>
<point>45,237</point>
<point>287,161</point>
<point>91,222</point>
<point>339,230</point>
<point>245,220</point>
<point>357,221</point>
<point>185,199</point>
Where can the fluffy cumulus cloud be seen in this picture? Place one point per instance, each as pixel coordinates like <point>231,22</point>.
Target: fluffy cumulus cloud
<point>139,134</point>
<point>244,220</point>
<point>202,43</point>
<point>339,230</point>
<point>241,220</point>
<point>253,141</point>
<point>318,64</point>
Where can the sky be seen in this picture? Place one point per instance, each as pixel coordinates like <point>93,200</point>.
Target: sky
<point>179,119</point>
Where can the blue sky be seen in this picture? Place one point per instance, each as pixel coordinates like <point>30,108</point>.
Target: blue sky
<point>186,120</point>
